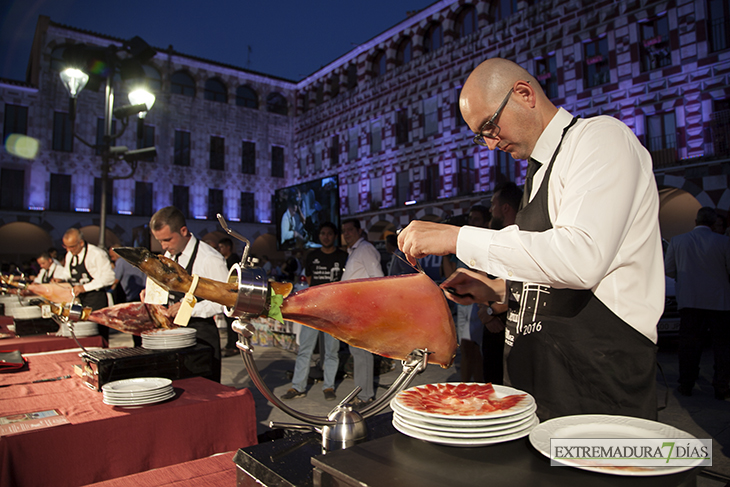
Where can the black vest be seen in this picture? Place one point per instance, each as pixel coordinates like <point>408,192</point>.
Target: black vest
<point>80,275</point>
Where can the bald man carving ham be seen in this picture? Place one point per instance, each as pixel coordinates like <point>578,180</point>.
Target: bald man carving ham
<point>581,270</point>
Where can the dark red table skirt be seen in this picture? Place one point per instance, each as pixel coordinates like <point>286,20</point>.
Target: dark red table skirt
<point>212,471</point>
<point>47,343</point>
<point>104,442</point>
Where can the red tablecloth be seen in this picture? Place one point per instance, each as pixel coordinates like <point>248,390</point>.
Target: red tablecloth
<point>104,442</point>
<point>48,343</point>
<point>5,321</point>
<point>212,471</point>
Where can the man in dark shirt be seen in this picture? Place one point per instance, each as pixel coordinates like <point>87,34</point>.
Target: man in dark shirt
<point>225,247</point>
<point>322,266</point>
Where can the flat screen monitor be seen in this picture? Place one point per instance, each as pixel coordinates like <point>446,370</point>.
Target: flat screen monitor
<point>300,209</point>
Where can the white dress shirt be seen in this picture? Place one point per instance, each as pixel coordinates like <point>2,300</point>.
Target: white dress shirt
<point>56,271</point>
<point>98,265</point>
<point>604,208</point>
<point>700,261</point>
<point>209,263</point>
<point>363,261</point>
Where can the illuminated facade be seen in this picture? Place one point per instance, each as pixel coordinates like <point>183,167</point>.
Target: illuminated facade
<point>384,117</point>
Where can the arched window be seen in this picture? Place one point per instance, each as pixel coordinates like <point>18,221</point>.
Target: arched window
<point>404,52</point>
<point>379,64</point>
<point>276,103</point>
<point>466,22</point>
<point>215,90</point>
<point>152,78</point>
<point>434,38</point>
<point>182,83</point>
<point>246,97</point>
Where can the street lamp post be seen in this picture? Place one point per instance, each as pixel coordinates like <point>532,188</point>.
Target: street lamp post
<point>81,59</point>
<point>106,141</point>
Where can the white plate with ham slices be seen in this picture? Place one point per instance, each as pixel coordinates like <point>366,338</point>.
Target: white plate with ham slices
<point>464,401</point>
<point>464,414</point>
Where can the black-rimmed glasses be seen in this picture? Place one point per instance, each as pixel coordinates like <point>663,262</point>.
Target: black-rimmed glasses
<point>490,130</point>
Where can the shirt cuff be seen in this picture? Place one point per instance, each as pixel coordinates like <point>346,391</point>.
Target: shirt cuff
<point>472,247</point>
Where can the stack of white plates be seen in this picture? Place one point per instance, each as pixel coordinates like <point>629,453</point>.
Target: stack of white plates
<point>137,392</point>
<point>169,339</point>
<point>11,301</point>
<point>24,312</point>
<point>461,414</point>
<point>81,329</point>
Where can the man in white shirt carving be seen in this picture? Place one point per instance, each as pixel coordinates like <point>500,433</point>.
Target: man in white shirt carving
<point>581,269</point>
<point>90,272</point>
<point>51,270</point>
<point>169,227</point>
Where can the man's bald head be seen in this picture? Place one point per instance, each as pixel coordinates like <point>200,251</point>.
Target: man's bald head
<point>496,76</point>
<point>525,115</point>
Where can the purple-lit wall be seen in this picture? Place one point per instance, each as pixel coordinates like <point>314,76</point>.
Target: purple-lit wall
<point>691,86</point>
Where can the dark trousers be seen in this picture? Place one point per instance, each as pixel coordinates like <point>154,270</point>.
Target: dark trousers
<point>695,326</point>
<point>231,336</point>
<point>493,356</point>
<point>207,334</point>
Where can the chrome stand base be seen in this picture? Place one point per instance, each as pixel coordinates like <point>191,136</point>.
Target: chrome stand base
<point>343,427</point>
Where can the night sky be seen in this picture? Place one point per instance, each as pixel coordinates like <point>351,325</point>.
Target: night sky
<point>290,39</point>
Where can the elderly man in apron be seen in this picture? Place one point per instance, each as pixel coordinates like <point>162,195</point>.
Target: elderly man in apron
<point>582,267</point>
<point>90,272</point>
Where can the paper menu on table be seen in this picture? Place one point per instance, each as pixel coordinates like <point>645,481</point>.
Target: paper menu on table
<point>16,423</point>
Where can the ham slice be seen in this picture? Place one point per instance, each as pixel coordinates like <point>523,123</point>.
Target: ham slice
<point>389,316</point>
<point>458,399</point>
<point>135,318</point>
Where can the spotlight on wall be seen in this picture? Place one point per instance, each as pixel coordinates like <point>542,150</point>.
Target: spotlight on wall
<point>127,111</point>
<point>140,154</point>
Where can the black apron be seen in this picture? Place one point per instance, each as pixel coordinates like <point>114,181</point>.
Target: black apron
<point>49,273</point>
<point>206,329</point>
<point>567,349</point>
<point>79,276</point>
<point>93,299</point>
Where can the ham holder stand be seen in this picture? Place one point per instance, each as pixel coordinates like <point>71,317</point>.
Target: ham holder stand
<point>342,427</point>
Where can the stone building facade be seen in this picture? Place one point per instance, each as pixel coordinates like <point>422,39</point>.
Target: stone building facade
<point>659,66</point>
<point>384,117</point>
<point>223,136</point>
